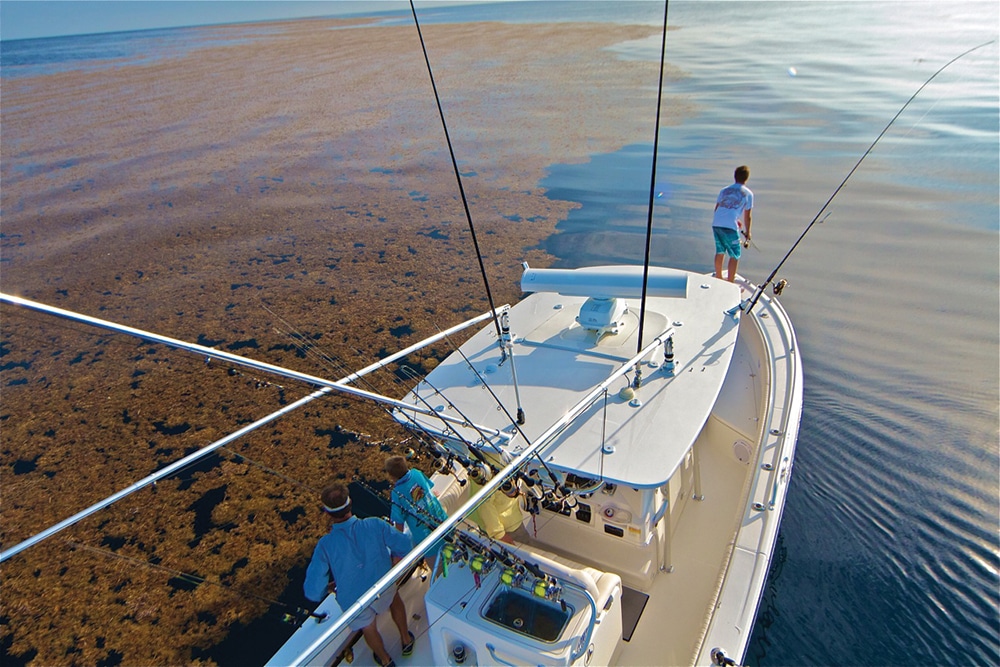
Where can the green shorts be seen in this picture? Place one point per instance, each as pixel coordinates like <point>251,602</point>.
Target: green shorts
<point>727,241</point>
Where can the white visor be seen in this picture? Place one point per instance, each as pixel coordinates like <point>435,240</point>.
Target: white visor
<point>337,509</point>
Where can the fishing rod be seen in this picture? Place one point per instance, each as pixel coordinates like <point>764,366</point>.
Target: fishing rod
<point>458,178</point>
<point>332,362</point>
<point>759,291</point>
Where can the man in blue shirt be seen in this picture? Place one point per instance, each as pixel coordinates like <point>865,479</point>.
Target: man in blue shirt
<point>734,201</point>
<point>354,555</point>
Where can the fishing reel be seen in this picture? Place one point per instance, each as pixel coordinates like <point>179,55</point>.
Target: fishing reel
<point>532,488</point>
<point>481,564</point>
<point>514,576</point>
<point>779,287</point>
<point>442,464</point>
<point>547,588</point>
<point>453,553</point>
<point>480,473</point>
<point>296,616</point>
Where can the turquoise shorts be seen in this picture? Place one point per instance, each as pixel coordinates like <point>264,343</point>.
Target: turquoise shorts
<point>727,241</point>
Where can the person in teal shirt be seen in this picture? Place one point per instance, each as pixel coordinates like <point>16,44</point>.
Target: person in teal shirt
<point>414,503</point>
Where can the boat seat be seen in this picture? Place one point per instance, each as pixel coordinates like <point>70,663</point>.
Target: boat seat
<point>598,583</point>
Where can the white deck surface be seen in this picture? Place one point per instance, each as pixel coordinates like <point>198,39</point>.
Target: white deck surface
<point>558,362</point>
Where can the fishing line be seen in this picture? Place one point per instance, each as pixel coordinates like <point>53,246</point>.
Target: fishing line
<point>263,467</point>
<point>759,291</point>
<point>418,429</point>
<point>198,579</point>
<point>413,375</point>
<point>458,175</point>
<point>334,363</point>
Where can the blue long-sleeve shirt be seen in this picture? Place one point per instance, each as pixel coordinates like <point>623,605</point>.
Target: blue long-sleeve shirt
<point>356,553</point>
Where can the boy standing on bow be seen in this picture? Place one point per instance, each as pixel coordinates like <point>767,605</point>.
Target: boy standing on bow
<point>734,202</point>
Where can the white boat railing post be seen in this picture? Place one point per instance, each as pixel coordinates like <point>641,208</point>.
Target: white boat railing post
<point>664,526</point>
<point>696,459</point>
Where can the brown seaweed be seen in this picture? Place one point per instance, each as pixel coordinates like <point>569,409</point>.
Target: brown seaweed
<point>286,196</point>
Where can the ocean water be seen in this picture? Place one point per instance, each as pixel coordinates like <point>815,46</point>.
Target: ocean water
<point>888,547</point>
<point>888,553</point>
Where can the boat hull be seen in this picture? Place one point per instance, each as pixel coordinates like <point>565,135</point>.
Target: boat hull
<point>683,561</point>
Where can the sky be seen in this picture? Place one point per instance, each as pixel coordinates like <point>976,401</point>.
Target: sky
<point>24,19</point>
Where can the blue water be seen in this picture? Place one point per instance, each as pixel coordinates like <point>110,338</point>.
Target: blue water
<point>888,549</point>
<point>89,53</point>
<point>889,546</point>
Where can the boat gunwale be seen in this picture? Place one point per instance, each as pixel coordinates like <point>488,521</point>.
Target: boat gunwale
<point>777,335</point>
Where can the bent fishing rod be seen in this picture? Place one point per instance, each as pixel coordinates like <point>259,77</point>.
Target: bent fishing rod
<point>759,290</point>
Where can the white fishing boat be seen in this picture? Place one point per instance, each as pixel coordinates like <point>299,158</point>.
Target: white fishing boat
<point>645,418</point>
<point>659,477</point>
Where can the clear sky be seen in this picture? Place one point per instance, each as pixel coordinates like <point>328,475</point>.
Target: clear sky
<point>22,19</point>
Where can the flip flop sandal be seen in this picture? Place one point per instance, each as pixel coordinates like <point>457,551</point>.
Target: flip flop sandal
<point>408,648</point>
<point>391,663</point>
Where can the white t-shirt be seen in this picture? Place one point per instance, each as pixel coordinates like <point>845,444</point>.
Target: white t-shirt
<point>733,200</point>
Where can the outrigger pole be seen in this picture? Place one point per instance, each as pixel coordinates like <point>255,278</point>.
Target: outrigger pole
<point>158,475</point>
<point>327,387</point>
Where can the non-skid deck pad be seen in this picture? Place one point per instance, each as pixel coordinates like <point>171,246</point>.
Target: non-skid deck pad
<point>633,602</point>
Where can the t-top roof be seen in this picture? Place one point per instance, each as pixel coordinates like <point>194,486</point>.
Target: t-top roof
<point>557,363</point>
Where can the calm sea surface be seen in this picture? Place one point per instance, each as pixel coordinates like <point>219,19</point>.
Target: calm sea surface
<point>889,546</point>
